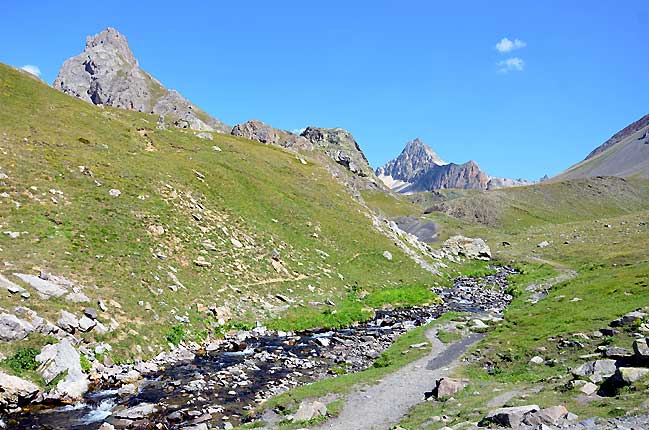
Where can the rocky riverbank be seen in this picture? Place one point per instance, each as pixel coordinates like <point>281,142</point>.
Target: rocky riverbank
<point>217,385</point>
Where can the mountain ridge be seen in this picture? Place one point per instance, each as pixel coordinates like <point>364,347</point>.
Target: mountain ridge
<point>625,154</point>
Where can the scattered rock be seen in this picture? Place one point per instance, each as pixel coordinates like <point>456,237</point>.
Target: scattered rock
<point>309,410</point>
<point>86,324</point>
<point>508,417</point>
<point>68,321</point>
<point>202,262</point>
<point>537,360</point>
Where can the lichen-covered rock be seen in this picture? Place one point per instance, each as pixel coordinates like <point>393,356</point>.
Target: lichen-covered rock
<point>107,73</point>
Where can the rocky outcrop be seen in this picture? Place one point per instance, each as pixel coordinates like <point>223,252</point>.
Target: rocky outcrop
<point>107,73</point>
<point>419,168</point>
<point>340,146</point>
<point>264,133</point>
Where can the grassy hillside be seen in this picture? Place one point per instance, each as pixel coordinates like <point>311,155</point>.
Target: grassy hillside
<point>513,209</point>
<point>234,205</point>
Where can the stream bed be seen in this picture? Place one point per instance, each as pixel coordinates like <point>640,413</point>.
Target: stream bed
<point>222,387</point>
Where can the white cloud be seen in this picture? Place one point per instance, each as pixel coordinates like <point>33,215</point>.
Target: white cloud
<point>514,64</point>
<point>34,70</point>
<point>506,45</point>
<point>298,131</point>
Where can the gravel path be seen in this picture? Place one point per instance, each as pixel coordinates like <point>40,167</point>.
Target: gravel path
<point>380,406</point>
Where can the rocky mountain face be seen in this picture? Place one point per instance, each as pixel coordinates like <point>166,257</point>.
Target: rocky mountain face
<point>419,168</point>
<point>107,73</point>
<point>337,144</point>
<point>341,146</point>
<point>625,154</point>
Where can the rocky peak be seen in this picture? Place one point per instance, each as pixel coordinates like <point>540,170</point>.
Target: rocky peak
<point>112,40</point>
<point>107,73</point>
<point>416,157</point>
<point>419,168</point>
<point>417,149</point>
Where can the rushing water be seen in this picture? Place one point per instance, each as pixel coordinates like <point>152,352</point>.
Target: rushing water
<point>223,386</point>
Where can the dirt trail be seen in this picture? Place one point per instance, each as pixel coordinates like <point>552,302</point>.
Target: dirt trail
<point>381,406</point>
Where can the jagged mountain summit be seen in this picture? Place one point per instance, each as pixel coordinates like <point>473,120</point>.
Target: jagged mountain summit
<point>625,154</point>
<point>419,168</point>
<point>107,73</point>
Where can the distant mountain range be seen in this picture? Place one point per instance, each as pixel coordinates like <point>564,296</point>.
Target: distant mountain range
<point>419,168</point>
<point>107,73</point>
<point>625,154</point>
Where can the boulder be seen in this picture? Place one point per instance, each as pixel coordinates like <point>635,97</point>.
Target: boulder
<point>309,410</point>
<point>476,249</point>
<point>596,371</point>
<point>63,359</point>
<point>387,255</point>
<point>447,387</point>
<point>630,375</point>
<point>15,391</point>
<point>508,417</point>
<point>553,415</point>
<point>588,388</point>
<point>641,349</point>
<point>13,328</point>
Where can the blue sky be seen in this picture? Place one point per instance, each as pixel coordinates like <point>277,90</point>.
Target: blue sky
<point>572,72</point>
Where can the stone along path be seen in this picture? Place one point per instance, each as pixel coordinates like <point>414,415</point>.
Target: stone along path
<point>381,406</point>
